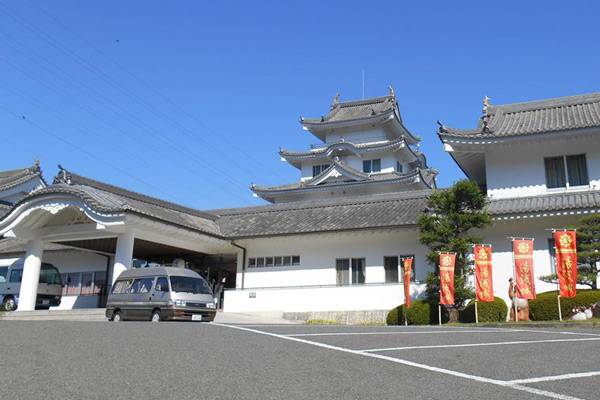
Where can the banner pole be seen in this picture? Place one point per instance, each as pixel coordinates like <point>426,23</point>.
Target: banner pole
<point>439,314</point>
<point>476,316</point>
<point>557,281</point>
<point>514,280</point>
<point>559,310</point>
<point>405,312</point>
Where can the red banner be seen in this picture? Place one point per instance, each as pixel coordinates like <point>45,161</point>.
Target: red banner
<point>407,264</point>
<point>566,262</point>
<point>523,253</point>
<point>484,287</point>
<point>447,278</point>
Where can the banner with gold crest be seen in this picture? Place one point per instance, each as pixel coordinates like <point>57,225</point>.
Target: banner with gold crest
<point>566,262</point>
<point>523,254</point>
<point>407,265</point>
<point>447,261</point>
<point>484,287</point>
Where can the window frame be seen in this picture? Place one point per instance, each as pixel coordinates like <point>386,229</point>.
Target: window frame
<point>369,165</point>
<point>566,173</point>
<point>386,270</point>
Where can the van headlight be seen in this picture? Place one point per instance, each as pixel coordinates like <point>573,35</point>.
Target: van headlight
<point>179,303</point>
<point>211,305</point>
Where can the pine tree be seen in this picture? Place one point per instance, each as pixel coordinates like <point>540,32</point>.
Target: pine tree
<point>444,227</point>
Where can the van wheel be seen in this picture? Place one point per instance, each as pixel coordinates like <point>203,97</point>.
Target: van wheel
<point>117,316</point>
<point>156,316</point>
<point>9,304</point>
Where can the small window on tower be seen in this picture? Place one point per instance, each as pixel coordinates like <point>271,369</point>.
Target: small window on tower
<point>372,165</point>
<point>398,167</point>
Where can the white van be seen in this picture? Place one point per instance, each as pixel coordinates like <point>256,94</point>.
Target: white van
<point>49,288</point>
<point>160,293</point>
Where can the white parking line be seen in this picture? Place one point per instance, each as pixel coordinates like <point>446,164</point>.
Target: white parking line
<point>445,346</point>
<point>476,378</point>
<point>557,377</point>
<point>392,333</point>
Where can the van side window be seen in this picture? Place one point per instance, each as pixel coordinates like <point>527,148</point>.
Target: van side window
<point>142,285</point>
<point>162,284</point>
<point>16,275</point>
<point>3,273</point>
<point>121,286</point>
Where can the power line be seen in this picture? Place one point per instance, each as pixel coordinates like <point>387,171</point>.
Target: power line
<point>140,101</point>
<point>94,136</point>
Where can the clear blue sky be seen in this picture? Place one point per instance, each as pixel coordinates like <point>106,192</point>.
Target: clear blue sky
<point>191,100</point>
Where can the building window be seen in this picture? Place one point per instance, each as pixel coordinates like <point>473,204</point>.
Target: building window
<point>413,268</point>
<point>398,167</point>
<point>342,268</point>
<point>372,165</point>
<point>358,270</point>
<point>83,283</point>
<point>566,171</point>
<point>552,253</point>
<point>273,261</point>
<point>317,169</point>
<point>390,264</point>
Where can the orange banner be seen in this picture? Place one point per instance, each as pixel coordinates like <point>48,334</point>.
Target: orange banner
<point>566,262</point>
<point>484,287</point>
<point>407,264</point>
<point>523,253</point>
<point>447,278</point>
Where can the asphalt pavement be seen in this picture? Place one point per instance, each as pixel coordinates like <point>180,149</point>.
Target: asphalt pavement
<point>143,360</point>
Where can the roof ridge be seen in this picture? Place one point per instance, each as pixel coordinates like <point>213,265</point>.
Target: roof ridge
<point>70,178</point>
<point>321,203</point>
<point>542,104</point>
<point>365,102</point>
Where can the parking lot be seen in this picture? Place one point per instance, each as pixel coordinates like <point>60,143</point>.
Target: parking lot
<point>217,360</point>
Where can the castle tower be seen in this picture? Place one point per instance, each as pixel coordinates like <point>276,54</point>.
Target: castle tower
<point>364,149</point>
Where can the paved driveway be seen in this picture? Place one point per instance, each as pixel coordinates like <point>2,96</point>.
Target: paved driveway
<point>98,360</point>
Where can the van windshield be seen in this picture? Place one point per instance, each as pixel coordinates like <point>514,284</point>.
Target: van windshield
<point>50,275</point>
<point>186,284</point>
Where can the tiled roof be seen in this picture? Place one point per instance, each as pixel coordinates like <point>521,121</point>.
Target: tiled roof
<point>361,178</point>
<point>112,199</point>
<point>15,177</point>
<point>546,203</point>
<point>355,213</point>
<point>355,110</point>
<point>357,147</point>
<point>565,113</point>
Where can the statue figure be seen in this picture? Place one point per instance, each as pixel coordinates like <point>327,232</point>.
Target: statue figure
<point>522,304</point>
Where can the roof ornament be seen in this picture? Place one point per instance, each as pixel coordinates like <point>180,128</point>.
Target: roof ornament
<point>36,166</point>
<point>335,99</point>
<point>486,104</point>
<point>336,159</point>
<point>443,128</point>
<point>391,90</point>
<point>63,176</point>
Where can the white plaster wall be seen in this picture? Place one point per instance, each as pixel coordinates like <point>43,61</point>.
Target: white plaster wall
<point>362,136</point>
<point>517,169</point>
<point>318,254</point>
<point>346,298</point>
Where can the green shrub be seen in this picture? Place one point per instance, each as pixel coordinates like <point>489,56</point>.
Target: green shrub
<point>419,313</point>
<point>487,311</point>
<point>318,321</point>
<point>545,307</point>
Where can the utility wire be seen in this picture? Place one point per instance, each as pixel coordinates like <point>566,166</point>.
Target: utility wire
<point>136,98</point>
<point>95,136</point>
<point>115,108</point>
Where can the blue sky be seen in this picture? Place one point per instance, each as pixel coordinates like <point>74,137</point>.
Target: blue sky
<point>190,100</point>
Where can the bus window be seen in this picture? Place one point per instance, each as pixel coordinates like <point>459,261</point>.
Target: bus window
<point>50,276</point>
<point>16,275</point>
<point>3,273</point>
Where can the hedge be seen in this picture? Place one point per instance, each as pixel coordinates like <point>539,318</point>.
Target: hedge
<point>419,313</point>
<point>487,311</point>
<point>545,307</point>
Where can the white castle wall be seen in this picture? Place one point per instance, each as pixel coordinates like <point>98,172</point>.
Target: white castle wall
<point>518,169</point>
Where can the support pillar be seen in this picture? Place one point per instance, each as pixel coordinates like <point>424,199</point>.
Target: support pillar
<point>31,275</point>
<point>123,254</point>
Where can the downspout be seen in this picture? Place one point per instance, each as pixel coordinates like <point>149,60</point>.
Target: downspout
<point>243,260</point>
<point>104,291</point>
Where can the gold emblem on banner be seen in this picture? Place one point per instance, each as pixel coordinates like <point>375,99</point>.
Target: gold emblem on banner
<point>565,240</point>
<point>523,247</point>
<point>446,261</point>
<point>483,254</point>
